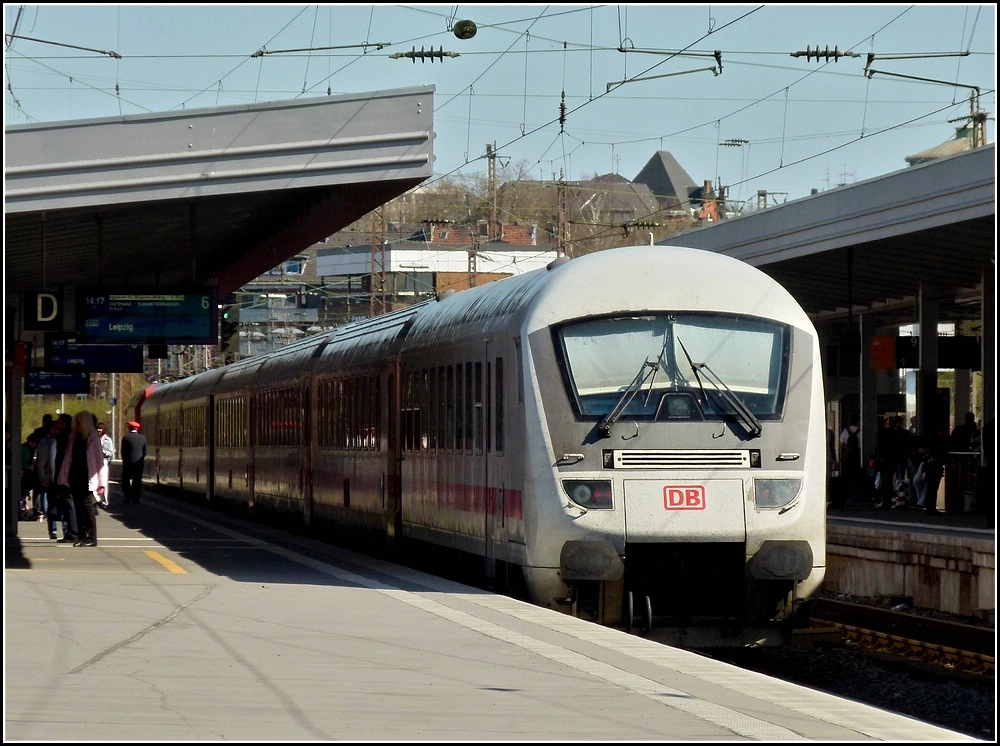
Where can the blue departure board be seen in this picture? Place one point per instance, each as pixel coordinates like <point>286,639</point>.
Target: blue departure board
<point>48,382</point>
<point>147,315</point>
<point>64,354</point>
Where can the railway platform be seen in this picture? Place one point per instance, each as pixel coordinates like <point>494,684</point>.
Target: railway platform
<point>945,561</point>
<point>184,624</point>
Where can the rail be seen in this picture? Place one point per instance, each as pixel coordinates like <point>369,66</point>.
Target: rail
<point>962,647</point>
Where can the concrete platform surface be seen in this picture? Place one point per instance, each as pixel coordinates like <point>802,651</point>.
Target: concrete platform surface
<point>186,625</point>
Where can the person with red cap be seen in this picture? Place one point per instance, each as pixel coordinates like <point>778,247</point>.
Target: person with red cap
<point>133,453</point>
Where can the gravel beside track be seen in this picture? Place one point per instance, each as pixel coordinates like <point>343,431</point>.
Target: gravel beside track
<point>962,703</point>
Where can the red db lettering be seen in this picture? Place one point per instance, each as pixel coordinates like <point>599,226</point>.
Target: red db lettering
<point>684,497</point>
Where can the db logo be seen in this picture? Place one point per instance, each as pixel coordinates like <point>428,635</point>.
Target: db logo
<point>690,497</point>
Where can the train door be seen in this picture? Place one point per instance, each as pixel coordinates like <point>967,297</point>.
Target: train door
<point>502,490</point>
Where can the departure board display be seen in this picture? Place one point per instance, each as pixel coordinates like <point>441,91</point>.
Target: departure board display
<point>48,382</point>
<point>147,315</point>
<point>64,354</point>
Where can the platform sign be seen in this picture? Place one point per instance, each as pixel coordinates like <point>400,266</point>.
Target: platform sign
<point>892,353</point>
<point>43,311</point>
<point>147,315</point>
<point>62,353</point>
<point>52,382</point>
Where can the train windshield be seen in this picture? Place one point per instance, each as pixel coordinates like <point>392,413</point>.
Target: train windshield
<point>686,366</point>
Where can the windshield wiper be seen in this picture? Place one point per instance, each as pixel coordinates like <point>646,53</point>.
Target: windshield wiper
<point>742,412</point>
<point>605,425</point>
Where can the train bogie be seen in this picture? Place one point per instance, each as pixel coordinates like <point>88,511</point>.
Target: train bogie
<point>637,434</point>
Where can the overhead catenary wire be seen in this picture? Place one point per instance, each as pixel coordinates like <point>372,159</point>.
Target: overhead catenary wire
<point>566,121</point>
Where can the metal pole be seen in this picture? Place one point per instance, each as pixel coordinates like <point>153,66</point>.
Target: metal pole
<point>114,412</point>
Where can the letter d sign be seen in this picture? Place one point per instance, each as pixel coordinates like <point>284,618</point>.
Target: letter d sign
<point>43,312</point>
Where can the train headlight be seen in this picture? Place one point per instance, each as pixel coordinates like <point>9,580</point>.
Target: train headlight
<point>775,493</point>
<point>593,494</point>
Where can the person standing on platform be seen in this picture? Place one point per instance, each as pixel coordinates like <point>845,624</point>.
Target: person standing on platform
<point>45,472</point>
<point>42,430</point>
<point>890,452</point>
<point>930,470</point>
<point>133,453</point>
<point>108,449</point>
<point>29,487</point>
<point>834,482</point>
<point>82,472</point>
<point>850,458</point>
<point>963,434</point>
<point>64,499</point>
<point>903,445</point>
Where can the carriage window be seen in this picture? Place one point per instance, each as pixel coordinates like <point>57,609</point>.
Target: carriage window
<point>354,409</point>
<point>337,415</point>
<point>391,434</point>
<point>499,413</point>
<point>423,422</point>
<point>488,397</point>
<point>434,395</point>
<point>197,431</point>
<point>459,411</point>
<point>232,431</point>
<point>468,406</point>
<point>411,412</point>
<point>442,410</point>
<point>478,414</point>
<point>376,423</point>
<point>323,414</point>
<point>367,413</point>
<point>518,363</point>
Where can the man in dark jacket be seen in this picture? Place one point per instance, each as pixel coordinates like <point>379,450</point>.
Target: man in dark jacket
<point>133,453</point>
<point>65,503</point>
<point>964,433</point>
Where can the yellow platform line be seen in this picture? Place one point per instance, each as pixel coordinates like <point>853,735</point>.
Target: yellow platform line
<point>169,564</point>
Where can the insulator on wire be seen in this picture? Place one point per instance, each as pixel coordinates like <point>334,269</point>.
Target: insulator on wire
<point>824,54</point>
<point>423,55</point>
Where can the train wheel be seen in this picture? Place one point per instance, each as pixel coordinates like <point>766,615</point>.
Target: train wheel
<point>647,622</point>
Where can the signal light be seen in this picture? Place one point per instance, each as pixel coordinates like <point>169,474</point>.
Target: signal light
<point>229,329</point>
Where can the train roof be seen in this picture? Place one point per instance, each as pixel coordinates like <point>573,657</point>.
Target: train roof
<point>377,338</point>
<point>640,278</point>
<point>186,388</point>
<point>659,278</point>
<point>637,278</point>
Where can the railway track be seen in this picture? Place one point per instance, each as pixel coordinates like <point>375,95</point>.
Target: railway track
<point>923,667</point>
<point>956,646</point>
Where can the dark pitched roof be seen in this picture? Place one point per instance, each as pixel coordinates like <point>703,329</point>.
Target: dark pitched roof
<point>666,178</point>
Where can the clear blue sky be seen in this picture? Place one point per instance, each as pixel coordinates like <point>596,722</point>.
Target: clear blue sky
<point>792,124</point>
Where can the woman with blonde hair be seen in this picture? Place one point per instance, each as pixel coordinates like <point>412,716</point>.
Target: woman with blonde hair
<point>82,471</point>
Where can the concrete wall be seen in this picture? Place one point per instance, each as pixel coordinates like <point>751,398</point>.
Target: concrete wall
<point>950,573</point>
